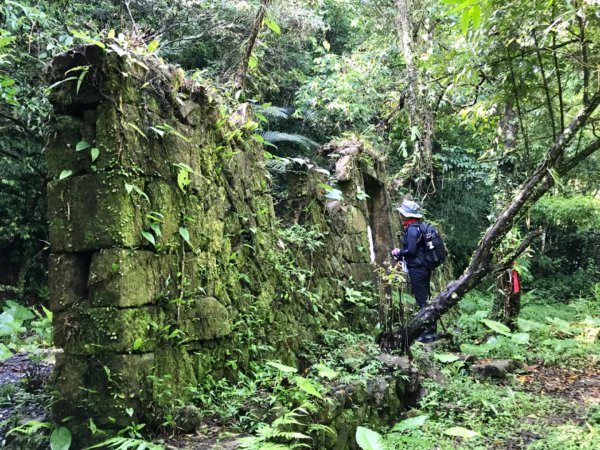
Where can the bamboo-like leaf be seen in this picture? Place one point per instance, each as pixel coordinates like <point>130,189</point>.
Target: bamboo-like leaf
<point>476,16</point>
<point>272,25</point>
<point>497,327</point>
<point>282,367</point>
<point>462,432</point>
<point>133,126</point>
<point>411,423</point>
<point>185,234</point>
<point>307,386</point>
<point>149,237</point>
<point>369,439</point>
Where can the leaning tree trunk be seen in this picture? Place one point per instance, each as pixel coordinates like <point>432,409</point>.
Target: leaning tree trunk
<point>554,164</point>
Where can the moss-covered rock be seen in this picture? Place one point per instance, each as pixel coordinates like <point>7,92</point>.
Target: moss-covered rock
<point>201,319</point>
<point>124,278</point>
<point>93,331</point>
<point>168,243</point>
<point>67,279</point>
<point>92,212</point>
<point>61,151</point>
<point>102,388</point>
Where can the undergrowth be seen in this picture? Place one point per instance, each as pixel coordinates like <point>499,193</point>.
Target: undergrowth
<point>467,412</point>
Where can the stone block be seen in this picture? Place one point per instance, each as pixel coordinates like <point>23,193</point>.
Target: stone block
<point>175,373</point>
<point>93,331</point>
<point>356,220</point>
<point>202,319</point>
<point>139,140</point>
<point>60,152</point>
<point>103,387</point>
<point>67,279</point>
<point>92,212</point>
<point>498,368</point>
<point>362,272</point>
<point>125,278</point>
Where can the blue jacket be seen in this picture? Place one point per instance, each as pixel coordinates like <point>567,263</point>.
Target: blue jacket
<point>413,246</point>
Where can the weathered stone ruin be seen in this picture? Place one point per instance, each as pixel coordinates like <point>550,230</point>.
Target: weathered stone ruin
<point>168,261</point>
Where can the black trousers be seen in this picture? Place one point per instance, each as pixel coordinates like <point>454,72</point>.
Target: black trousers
<point>420,278</point>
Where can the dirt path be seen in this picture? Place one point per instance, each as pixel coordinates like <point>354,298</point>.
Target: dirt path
<point>579,388</point>
<point>21,398</point>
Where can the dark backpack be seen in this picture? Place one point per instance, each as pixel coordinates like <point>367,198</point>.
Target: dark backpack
<point>435,250</point>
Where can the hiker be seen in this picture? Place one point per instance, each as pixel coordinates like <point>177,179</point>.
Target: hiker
<point>412,255</point>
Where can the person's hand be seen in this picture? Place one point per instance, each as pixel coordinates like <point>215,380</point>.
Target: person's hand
<point>396,253</point>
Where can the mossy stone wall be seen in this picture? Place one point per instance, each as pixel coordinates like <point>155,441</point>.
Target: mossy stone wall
<point>167,265</point>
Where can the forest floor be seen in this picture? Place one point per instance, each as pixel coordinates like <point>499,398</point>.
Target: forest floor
<point>550,401</point>
<point>578,391</point>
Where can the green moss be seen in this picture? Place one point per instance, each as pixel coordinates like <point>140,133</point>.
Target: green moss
<point>125,278</point>
<point>173,374</point>
<point>201,319</point>
<point>85,384</point>
<point>91,212</point>
<point>92,331</point>
<point>60,152</point>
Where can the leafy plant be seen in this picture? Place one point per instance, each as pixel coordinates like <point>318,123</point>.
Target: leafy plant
<point>125,443</point>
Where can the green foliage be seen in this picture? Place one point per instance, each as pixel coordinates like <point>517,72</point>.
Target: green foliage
<point>60,439</point>
<point>269,437</point>
<point>558,333</point>
<point>124,443</point>
<point>369,439</point>
<point>33,435</point>
<point>19,330</point>
<point>576,214</point>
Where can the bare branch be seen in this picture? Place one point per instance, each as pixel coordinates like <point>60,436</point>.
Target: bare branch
<point>260,15</point>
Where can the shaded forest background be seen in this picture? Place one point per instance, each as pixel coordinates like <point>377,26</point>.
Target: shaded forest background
<point>462,98</point>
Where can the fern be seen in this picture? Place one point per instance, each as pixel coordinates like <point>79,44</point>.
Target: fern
<point>123,443</point>
<point>276,165</point>
<point>278,431</point>
<point>276,136</point>
<point>273,112</point>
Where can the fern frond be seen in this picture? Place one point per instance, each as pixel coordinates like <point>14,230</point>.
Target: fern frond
<point>123,443</point>
<point>276,136</point>
<point>320,427</point>
<point>273,112</point>
<point>276,165</point>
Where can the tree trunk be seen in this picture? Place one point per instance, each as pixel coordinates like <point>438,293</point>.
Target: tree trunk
<point>420,115</point>
<point>240,82</point>
<point>555,163</point>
